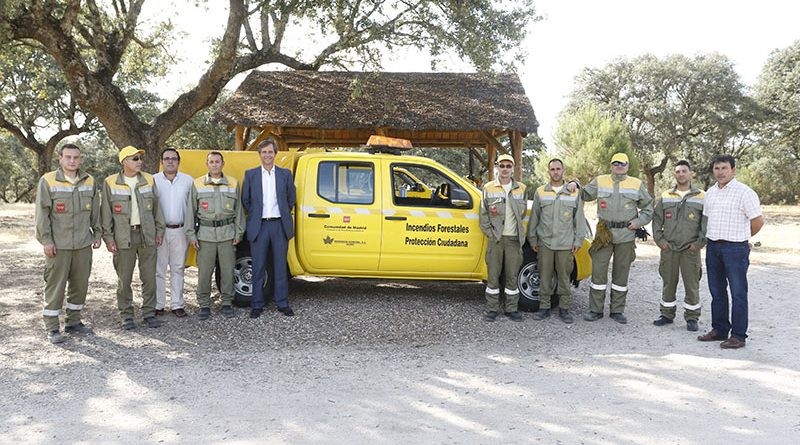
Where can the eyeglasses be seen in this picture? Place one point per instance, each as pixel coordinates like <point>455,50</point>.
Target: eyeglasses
<point>169,159</point>
<point>136,158</point>
<point>619,164</point>
<point>505,165</point>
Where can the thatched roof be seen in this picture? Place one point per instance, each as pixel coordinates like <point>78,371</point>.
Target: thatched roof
<point>404,101</point>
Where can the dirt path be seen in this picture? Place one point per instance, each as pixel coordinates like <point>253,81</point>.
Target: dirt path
<point>369,361</point>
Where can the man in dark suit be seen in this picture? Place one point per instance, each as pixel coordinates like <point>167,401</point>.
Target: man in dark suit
<point>268,195</point>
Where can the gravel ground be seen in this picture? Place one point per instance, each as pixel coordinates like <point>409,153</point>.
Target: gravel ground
<point>374,361</point>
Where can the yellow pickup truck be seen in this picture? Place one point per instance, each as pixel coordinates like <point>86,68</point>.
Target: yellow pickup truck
<point>378,215</point>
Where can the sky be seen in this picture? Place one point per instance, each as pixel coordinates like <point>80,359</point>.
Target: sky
<point>573,35</point>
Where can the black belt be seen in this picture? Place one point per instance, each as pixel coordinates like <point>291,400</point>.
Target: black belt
<point>270,219</point>
<point>616,225</point>
<point>174,226</point>
<point>136,227</point>
<point>721,241</point>
<point>218,223</point>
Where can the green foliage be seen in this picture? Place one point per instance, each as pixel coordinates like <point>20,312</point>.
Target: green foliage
<point>19,171</point>
<point>99,155</point>
<point>198,132</point>
<point>778,92</point>
<point>586,139</point>
<point>360,34</point>
<point>36,106</point>
<point>770,178</point>
<point>675,107</point>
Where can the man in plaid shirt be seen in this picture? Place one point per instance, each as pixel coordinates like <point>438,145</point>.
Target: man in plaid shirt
<point>734,215</point>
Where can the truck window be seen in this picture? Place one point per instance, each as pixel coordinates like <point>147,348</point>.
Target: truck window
<point>424,186</point>
<point>343,182</point>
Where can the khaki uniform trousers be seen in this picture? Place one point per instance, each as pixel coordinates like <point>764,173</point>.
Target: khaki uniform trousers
<point>686,264</point>
<point>206,261</point>
<point>503,257</point>
<point>124,263</point>
<point>560,262</point>
<point>68,266</point>
<point>624,254</point>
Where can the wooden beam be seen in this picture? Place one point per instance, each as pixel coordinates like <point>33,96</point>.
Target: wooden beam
<point>489,137</point>
<point>492,151</point>
<point>261,136</point>
<point>516,149</point>
<point>239,140</point>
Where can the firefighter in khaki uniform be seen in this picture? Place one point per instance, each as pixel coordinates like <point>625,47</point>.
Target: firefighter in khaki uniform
<point>214,225</point>
<point>502,210</point>
<point>133,227</point>
<point>67,223</point>
<point>555,232</point>
<point>618,198</point>
<point>679,228</point>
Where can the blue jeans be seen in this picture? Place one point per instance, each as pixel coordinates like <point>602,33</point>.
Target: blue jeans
<point>726,265</point>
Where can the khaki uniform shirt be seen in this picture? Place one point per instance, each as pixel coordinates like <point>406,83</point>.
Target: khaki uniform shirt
<point>67,213</point>
<point>679,221</point>
<point>492,214</point>
<point>557,219</point>
<point>116,210</point>
<point>214,211</point>
<point>620,199</point>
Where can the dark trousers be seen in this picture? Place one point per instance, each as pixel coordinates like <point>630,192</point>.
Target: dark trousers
<point>726,265</point>
<point>270,234</point>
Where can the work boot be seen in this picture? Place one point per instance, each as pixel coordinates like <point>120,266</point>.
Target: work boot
<point>227,312</point>
<point>204,314</point>
<point>593,316</point>
<point>565,316</point>
<point>662,320</point>
<point>514,316</point>
<point>541,314</point>
<point>128,324</point>
<point>619,317</point>
<point>79,328</point>
<point>691,325</point>
<point>55,337</point>
<point>152,322</point>
<point>490,316</point>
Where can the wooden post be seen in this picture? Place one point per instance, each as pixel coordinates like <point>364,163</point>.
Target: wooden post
<point>516,152</point>
<point>490,161</point>
<point>239,138</point>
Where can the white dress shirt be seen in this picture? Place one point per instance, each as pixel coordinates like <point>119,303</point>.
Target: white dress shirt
<point>172,196</point>
<point>268,191</point>
<point>729,210</point>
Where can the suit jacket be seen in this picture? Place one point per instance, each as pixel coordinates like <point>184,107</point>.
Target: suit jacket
<point>253,200</point>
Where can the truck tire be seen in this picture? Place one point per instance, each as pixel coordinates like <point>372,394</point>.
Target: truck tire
<point>243,277</point>
<point>528,282</point>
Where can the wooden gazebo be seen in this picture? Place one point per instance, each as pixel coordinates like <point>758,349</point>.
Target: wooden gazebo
<point>302,109</point>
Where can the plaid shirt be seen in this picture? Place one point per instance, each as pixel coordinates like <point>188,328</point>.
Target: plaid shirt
<point>729,210</point>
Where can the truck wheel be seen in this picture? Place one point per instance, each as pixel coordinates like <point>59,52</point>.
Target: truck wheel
<point>528,282</point>
<point>243,277</point>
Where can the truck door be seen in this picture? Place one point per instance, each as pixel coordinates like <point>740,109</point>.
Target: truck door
<point>430,222</point>
<point>340,219</point>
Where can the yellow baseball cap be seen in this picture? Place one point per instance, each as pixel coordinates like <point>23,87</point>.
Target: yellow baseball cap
<point>620,157</point>
<point>508,158</point>
<point>130,150</point>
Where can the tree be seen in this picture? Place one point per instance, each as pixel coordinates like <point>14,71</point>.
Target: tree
<point>19,176</point>
<point>89,41</point>
<point>778,92</point>
<point>586,139</point>
<point>36,106</point>
<point>673,107</point>
<point>197,132</point>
